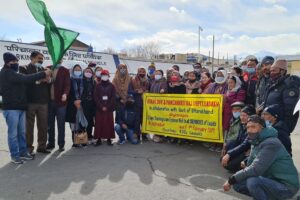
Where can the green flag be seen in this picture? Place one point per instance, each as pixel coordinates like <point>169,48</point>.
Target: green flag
<point>58,40</point>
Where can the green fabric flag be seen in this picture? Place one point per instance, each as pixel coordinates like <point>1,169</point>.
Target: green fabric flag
<point>58,40</point>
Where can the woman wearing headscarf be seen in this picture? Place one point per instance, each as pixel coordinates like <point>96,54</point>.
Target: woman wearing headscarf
<point>175,85</point>
<point>192,85</point>
<point>235,93</point>
<point>121,82</point>
<point>105,98</point>
<point>87,102</point>
<point>74,102</point>
<point>138,86</point>
<point>97,77</point>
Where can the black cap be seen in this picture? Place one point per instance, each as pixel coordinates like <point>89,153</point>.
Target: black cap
<point>274,110</point>
<point>250,110</point>
<point>7,57</point>
<point>268,60</point>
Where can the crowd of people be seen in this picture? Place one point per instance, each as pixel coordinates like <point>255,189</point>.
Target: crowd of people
<point>259,99</point>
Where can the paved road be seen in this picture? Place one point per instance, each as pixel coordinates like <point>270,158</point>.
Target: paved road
<point>147,171</point>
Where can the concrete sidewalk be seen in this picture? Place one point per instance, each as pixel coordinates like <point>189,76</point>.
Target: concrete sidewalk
<point>146,171</point>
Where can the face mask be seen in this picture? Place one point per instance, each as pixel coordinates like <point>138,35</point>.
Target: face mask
<point>151,71</point>
<point>253,136</point>
<point>104,78</point>
<point>244,67</point>
<point>14,67</point>
<point>251,70</point>
<point>236,114</point>
<point>98,74</point>
<point>268,123</point>
<point>38,64</point>
<point>157,77</point>
<point>174,79</point>
<point>88,75</point>
<point>123,72</point>
<point>219,79</point>
<point>197,70</point>
<point>142,75</point>
<point>192,81</point>
<point>77,73</point>
<point>274,76</point>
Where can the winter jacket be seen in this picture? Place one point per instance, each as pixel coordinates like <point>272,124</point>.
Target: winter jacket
<point>13,88</point>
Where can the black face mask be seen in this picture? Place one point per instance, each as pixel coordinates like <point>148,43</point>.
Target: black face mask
<point>192,81</point>
<point>142,75</point>
<point>14,67</point>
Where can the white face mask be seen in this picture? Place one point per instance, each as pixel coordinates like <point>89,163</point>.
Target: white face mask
<point>219,79</point>
<point>157,77</point>
<point>104,78</point>
<point>98,74</point>
<point>88,75</point>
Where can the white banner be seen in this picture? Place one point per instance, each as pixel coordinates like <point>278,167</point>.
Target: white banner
<point>23,51</point>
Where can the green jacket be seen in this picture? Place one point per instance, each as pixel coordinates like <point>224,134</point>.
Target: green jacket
<point>269,158</point>
<point>233,131</point>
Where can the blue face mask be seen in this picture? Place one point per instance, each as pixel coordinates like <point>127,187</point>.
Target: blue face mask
<point>151,71</point>
<point>268,123</point>
<point>77,73</point>
<point>251,70</point>
<point>236,114</point>
<point>14,67</point>
<point>38,65</point>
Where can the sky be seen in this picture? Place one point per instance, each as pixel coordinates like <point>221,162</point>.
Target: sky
<point>239,26</point>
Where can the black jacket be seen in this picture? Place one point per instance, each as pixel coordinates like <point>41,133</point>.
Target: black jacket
<point>127,115</point>
<point>13,88</point>
<point>284,135</point>
<point>36,93</point>
<point>285,93</point>
<point>242,148</point>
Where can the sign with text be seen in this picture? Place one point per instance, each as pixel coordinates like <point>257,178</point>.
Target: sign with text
<point>193,117</point>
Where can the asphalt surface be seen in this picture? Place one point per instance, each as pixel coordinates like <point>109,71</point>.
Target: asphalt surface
<point>146,171</point>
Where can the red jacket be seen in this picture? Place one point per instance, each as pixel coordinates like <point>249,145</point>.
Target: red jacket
<point>62,86</point>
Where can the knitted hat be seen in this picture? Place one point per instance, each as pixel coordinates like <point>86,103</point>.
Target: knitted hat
<point>104,72</point>
<point>249,110</point>
<point>7,57</point>
<point>267,60</point>
<point>273,110</point>
<point>281,64</point>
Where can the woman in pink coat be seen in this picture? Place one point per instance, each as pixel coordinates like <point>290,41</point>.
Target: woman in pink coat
<point>234,93</point>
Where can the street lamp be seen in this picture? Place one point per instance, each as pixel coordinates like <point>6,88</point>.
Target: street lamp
<point>200,29</point>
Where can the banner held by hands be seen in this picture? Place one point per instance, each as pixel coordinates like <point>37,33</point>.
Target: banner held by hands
<point>58,40</point>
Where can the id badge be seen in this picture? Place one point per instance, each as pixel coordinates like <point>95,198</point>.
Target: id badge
<point>105,98</point>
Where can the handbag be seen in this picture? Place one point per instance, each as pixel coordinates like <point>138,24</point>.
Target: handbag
<point>81,138</point>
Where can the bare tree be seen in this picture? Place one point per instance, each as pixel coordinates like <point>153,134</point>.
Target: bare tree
<point>110,50</point>
<point>147,50</point>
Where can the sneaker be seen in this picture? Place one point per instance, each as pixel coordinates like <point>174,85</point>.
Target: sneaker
<point>134,142</point>
<point>17,161</point>
<point>26,156</point>
<point>121,142</point>
<point>75,145</point>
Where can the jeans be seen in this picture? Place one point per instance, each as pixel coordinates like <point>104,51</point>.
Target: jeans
<point>60,114</point>
<point>15,120</point>
<point>129,133</point>
<point>261,188</point>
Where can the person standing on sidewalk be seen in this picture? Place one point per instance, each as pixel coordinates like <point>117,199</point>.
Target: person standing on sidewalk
<point>13,91</point>
<point>59,91</point>
<point>38,99</point>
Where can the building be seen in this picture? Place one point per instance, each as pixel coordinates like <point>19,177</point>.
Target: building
<point>77,45</point>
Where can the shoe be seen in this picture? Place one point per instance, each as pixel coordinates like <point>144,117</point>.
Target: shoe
<point>50,147</point>
<point>218,149</point>
<point>61,149</point>
<point>17,161</point>
<point>134,142</point>
<point>109,142</point>
<point>121,142</point>
<point>75,145</point>
<point>212,148</point>
<point>26,156</point>
<point>44,151</point>
<point>90,141</point>
<point>98,143</point>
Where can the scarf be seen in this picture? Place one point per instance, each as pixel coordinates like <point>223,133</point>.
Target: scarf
<point>121,84</point>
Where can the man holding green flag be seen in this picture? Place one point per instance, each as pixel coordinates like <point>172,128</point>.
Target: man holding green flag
<point>58,41</point>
